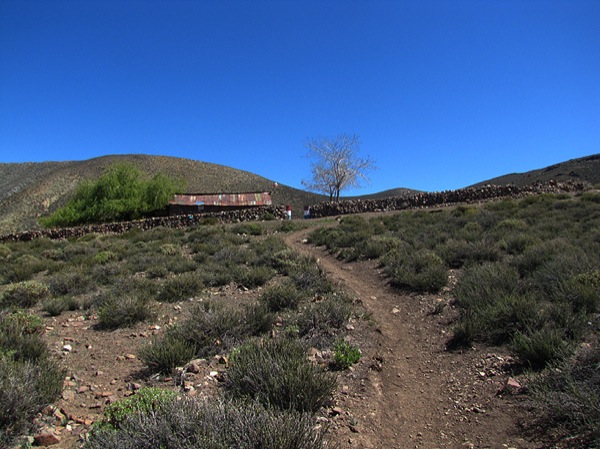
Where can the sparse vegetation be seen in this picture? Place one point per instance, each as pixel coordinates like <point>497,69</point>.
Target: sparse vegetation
<point>528,275</point>
<point>278,374</point>
<point>186,423</point>
<point>527,278</point>
<point>29,378</point>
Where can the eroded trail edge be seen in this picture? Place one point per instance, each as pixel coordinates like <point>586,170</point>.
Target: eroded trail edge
<point>408,391</point>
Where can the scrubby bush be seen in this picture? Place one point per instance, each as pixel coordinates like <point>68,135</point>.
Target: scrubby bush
<point>252,277</point>
<point>29,380</point>
<point>181,287</point>
<point>103,257</point>
<point>5,252</point>
<point>191,423</point>
<point>69,283</point>
<point>320,322</point>
<point>56,306</point>
<point>566,402</point>
<point>165,354</point>
<point>22,268</point>
<point>538,348</point>
<point>123,311</point>
<point>248,228</point>
<point>212,327</point>
<point>24,294</point>
<point>421,272</point>
<point>25,389</point>
<point>278,374</point>
<point>281,296</point>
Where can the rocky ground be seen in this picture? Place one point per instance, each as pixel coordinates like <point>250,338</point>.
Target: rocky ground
<point>407,391</point>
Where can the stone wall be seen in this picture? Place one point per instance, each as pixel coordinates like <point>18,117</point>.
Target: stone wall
<point>449,197</point>
<point>176,221</point>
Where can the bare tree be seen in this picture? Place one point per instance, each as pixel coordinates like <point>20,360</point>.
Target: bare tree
<point>336,165</point>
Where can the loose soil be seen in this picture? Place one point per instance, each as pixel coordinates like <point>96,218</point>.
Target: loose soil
<point>407,391</point>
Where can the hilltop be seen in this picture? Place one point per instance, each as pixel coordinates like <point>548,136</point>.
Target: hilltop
<point>581,169</point>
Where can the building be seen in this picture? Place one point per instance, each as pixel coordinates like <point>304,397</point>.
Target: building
<point>194,203</point>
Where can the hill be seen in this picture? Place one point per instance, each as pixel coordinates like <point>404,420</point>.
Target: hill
<point>29,190</point>
<point>580,169</point>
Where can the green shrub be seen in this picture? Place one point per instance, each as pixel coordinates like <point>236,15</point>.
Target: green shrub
<point>212,327</point>
<point>191,423</point>
<point>248,228</point>
<point>25,389</point>
<point>181,287</point>
<point>311,279</point>
<point>566,402</point>
<point>123,311</point>
<point>21,323</point>
<point>278,374</point>
<point>282,296</point>
<point>24,294</point>
<point>457,253</point>
<point>321,322</point>
<point>167,353</point>
<point>421,272</point>
<point>69,283</point>
<point>485,284</point>
<point>593,197</point>
<point>103,257</point>
<point>145,401</point>
<point>22,268</point>
<point>5,252</point>
<point>345,355</point>
<point>21,337</point>
<point>56,306</point>
<point>169,249</point>
<point>120,193</point>
<point>252,277</point>
<point>539,348</point>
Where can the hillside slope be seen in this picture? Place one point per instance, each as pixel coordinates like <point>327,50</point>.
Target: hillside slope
<point>580,169</point>
<point>30,190</point>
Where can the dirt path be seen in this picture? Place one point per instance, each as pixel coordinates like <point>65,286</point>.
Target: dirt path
<point>407,391</point>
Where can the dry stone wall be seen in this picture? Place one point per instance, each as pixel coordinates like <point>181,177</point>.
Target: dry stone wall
<point>433,199</point>
<point>176,221</point>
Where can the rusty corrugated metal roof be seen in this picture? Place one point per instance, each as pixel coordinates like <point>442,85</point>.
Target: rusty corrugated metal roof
<point>223,199</point>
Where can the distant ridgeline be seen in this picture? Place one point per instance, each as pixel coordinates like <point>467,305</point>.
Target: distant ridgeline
<point>420,200</point>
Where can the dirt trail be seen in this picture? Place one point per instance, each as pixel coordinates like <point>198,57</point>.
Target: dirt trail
<point>407,391</point>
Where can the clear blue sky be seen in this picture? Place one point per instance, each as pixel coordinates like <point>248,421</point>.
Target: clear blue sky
<point>443,93</point>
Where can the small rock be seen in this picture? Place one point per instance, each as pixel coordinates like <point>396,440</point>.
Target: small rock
<point>68,395</point>
<point>46,439</point>
<point>395,310</point>
<point>82,389</point>
<point>193,368</point>
<point>67,348</point>
<point>131,356</point>
<point>336,411</point>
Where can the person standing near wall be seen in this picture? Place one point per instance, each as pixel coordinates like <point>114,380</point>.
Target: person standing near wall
<point>288,211</point>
